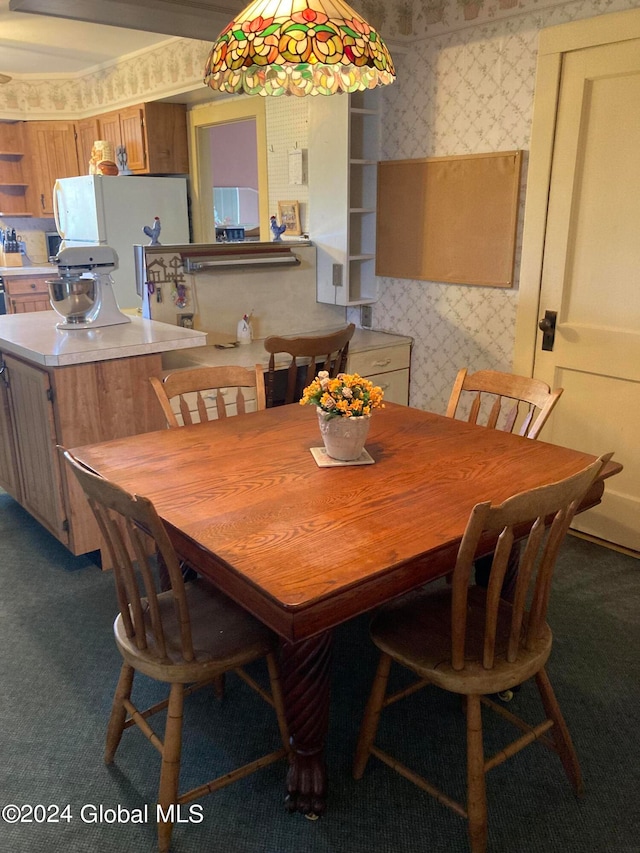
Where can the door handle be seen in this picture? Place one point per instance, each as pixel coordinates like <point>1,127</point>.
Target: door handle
<point>548,328</point>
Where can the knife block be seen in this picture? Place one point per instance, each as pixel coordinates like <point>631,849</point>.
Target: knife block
<point>11,259</point>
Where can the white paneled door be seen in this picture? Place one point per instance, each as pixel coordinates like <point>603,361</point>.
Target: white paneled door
<point>590,270</point>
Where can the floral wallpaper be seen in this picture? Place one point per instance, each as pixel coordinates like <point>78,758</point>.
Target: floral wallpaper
<point>465,85</point>
<point>169,68</point>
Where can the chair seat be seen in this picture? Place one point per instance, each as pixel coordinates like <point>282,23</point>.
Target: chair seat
<point>416,632</point>
<point>224,636</point>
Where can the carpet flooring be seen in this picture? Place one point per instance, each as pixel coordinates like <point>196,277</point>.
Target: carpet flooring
<point>59,666</point>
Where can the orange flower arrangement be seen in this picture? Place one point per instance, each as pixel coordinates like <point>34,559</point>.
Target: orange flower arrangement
<point>346,396</point>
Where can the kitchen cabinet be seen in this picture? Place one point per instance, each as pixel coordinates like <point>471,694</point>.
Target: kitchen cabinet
<point>343,156</point>
<point>71,389</point>
<point>69,406</point>
<point>8,465</point>
<point>52,155</point>
<point>26,293</point>
<point>87,131</point>
<point>154,136</point>
<point>125,127</point>
<point>13,183</point>
<point>386,366</point>
<point>32,417</point>
<point>34,154</point>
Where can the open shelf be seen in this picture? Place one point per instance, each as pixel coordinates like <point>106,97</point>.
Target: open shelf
<point>343,162</point>
<point>13,187</point>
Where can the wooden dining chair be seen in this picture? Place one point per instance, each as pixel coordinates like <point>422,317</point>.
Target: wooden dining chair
<point>308,355</point>
<point>184,637</point>
<point>469,641</point>
<point>207,393</point>
<point>508,396</point>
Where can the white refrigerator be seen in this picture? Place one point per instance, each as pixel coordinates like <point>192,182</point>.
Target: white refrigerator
<point>99,209</point>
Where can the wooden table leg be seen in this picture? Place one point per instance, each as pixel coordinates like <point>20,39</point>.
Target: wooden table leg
<point>306,675</point>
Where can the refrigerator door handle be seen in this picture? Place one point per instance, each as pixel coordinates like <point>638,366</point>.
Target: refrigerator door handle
<point>57,189</point>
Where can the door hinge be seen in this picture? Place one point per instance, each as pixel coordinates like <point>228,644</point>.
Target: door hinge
<point>50,395</point>
<point>65,525</point>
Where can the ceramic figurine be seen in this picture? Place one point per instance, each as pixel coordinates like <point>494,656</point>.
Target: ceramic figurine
<point>122,161</point>
<point>277,230</point>
<point>153,231</point>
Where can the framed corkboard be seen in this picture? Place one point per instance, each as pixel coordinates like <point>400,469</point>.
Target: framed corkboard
<point>450,219</point>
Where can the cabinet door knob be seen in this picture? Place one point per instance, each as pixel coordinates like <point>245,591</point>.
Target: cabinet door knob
<point>382,363</point>
<point>33,285</point>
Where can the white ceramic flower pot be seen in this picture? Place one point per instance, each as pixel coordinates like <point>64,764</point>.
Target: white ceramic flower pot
<point>343,438</point>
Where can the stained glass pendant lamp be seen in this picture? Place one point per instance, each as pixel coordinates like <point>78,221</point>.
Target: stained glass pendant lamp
<point>298,47</point>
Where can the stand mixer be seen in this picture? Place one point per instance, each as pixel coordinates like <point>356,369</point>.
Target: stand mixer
<point>83,294</point>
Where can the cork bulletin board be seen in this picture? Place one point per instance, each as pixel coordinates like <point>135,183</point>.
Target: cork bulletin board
<point>450,219</point>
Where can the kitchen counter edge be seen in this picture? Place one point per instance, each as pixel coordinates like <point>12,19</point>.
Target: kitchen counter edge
<point>255,353</point>
<point>35,337</point>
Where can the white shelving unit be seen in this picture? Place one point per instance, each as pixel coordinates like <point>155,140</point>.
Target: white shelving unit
<point>343,156</point>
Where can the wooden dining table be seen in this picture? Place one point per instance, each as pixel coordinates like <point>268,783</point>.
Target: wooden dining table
<point>305,548</point>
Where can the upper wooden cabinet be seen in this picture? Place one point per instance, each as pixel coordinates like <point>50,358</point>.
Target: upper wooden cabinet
<point>34,154</point>
<point>13,183</point>
<point>87,131</point>
<point>154,136</point>
<point>52,155</point>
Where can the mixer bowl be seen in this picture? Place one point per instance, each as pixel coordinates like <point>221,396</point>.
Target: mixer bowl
<point>75,299</point>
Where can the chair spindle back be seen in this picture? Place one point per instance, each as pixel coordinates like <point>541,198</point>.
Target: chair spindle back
<point>525,514</point>
<point>185,393</point>
<point>316,352</point>
<point>511,392</point>
<point>127,524</point>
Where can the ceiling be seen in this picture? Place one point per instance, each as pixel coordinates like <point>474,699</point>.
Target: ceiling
<point>41,44</point>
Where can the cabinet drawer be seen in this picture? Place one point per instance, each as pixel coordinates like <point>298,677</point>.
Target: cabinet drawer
<point>28,303</point>
<point>394,384</point>
<point>379,360</point>
<point>20,285</point>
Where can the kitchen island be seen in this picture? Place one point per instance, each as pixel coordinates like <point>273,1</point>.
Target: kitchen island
<point>72,388</point>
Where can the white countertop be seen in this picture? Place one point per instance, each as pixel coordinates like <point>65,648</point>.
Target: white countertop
<point>36,338</point>
<point>48,270</point>
<point>248,355</point>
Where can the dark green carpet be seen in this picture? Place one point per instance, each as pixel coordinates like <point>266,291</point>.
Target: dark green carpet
<point>59,667</point>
